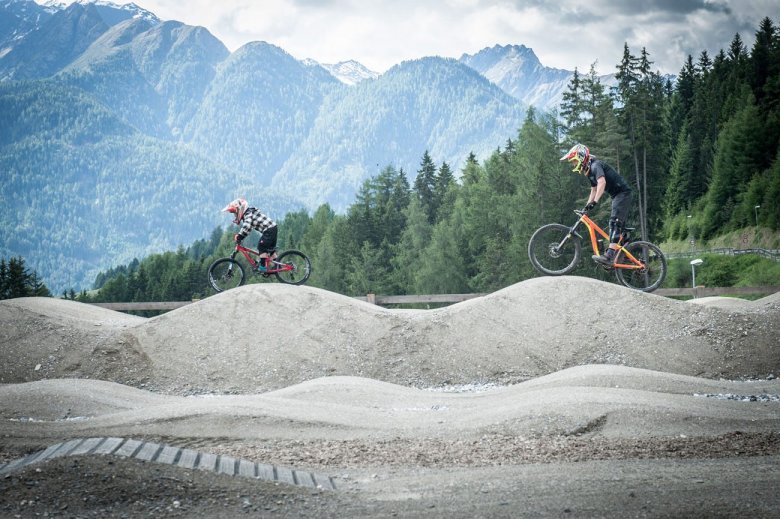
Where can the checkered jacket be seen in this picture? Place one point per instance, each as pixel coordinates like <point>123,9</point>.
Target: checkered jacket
<point>254,219</point>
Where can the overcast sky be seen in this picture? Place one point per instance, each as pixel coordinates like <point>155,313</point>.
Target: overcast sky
<point>562,33</point>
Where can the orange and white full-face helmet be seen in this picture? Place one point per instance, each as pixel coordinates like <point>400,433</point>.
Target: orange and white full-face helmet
<point>579,157</point>
<point>238,207</point>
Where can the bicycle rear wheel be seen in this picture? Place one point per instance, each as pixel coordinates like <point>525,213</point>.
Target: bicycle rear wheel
<point>654,268</point>
<point>226,273</point>
<point>299,267</point>
<point>553,251</point>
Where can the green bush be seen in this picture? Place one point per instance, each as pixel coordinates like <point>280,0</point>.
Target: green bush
<point>747,270</point>
<point>761,273</point>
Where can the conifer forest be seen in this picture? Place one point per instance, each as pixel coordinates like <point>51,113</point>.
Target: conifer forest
<point>700,153</point>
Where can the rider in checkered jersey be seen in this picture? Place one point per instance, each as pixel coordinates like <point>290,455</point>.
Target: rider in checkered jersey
<point>251,218</point>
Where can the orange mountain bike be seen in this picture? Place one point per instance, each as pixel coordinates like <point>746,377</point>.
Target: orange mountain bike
<point>555,250</point>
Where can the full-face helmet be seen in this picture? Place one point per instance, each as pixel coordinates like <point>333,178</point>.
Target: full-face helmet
<point>579,157</point>
<point>238,207</point>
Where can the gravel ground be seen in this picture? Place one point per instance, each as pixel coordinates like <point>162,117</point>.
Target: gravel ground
<point>526,402</point>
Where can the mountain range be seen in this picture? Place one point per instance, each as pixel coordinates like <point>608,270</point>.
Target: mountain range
<point>125,133</point>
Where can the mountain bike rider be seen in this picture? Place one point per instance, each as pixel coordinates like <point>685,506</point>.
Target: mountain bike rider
<point>251,218</point>
<point>603,177</point>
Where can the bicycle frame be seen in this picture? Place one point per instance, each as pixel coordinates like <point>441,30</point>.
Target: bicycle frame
<point>593,228</point>
<point>247,252</point>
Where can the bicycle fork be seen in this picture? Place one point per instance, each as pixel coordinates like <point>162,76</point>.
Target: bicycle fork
<point>229,272</point>
<point>572,233</point>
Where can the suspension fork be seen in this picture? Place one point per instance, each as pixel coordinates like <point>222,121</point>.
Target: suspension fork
<point>572,232</point>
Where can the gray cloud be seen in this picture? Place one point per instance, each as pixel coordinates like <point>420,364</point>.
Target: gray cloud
<point>669,6</point>
<point>563,33</point>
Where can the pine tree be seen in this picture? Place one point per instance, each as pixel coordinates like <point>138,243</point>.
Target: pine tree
<point>410,248</point>
<point>736,162</point>
<point>316,230</point>
<point>3,279</point>
<point>36,286</point>
<point>641,94</point>
<point>444,193</point>
<point>678,190</point>
<point>442,268</point>
<point>333,257</point>
<point>368,271</point>
<point>571,103</point>
<point>17,279</point>
<point>471,172</point>
<point>425,186</point>
<point>764,79</point>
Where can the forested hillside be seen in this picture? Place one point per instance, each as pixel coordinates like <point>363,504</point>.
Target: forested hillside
<point>122,134</point>
<point>707,147</point>
<point>432,104</point>
<point>114,186</point>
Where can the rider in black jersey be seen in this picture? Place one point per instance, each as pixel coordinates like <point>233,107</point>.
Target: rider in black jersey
<point>603,177</point>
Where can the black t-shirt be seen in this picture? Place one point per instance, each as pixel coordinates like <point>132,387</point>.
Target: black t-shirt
<point>615,183</point>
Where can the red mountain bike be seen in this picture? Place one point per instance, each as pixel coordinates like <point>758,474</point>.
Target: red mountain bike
<point>292,267</point>
<point>555,250</point>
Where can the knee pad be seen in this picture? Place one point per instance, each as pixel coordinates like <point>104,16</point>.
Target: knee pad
<point>615,229</point>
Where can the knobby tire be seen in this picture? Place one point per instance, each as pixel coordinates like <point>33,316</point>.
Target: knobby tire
<point>547,257</point>
<point>226,273</point>
<point>649,278</point>
<point>301,267</point>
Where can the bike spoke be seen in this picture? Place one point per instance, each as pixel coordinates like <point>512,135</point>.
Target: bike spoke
<point>225,274</point>
<point>553,251</point>
<point>294,267</point>
<point>653,268</point>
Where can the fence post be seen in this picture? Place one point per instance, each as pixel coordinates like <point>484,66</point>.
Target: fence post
<point>371,298</point>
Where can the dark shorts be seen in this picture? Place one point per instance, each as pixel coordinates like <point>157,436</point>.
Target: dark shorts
<point>621,205</point>
<point>267,241</point>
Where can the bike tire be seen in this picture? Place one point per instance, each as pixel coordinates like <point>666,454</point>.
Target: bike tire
<point>301,267</point>
<point>226,273</point>
<point>545,255</point>
<point>649,278</point>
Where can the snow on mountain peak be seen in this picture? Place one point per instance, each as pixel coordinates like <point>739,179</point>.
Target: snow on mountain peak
<point>135,10</point>
<point>350,72</point>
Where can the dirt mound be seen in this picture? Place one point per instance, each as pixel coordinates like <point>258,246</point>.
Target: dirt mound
<point>611,394</point>
<point>613,401</point>
<point>45,337</point>
<point>269,336</point>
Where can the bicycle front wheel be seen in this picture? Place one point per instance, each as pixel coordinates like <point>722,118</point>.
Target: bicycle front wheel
<point>553,251</point>
<point>226,273</point>
<point>653,271</point>
<point>296,267</point>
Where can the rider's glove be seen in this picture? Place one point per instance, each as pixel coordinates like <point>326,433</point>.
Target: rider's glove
<point>238,238</point>
<point>590,206</point>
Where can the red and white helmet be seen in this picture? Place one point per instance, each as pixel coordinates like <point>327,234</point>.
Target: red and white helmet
<point>579,157</point>
<point>238,207</point>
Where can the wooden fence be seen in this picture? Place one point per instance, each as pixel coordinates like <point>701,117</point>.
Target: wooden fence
<point>457,298</point>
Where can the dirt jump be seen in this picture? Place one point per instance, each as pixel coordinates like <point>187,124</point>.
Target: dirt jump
<point>552,397</point>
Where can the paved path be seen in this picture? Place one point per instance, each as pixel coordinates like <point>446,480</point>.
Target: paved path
<point>184,458</point>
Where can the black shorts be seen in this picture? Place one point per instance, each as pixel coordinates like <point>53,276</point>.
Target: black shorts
<point>621,205</point>
<point>267,241</point>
